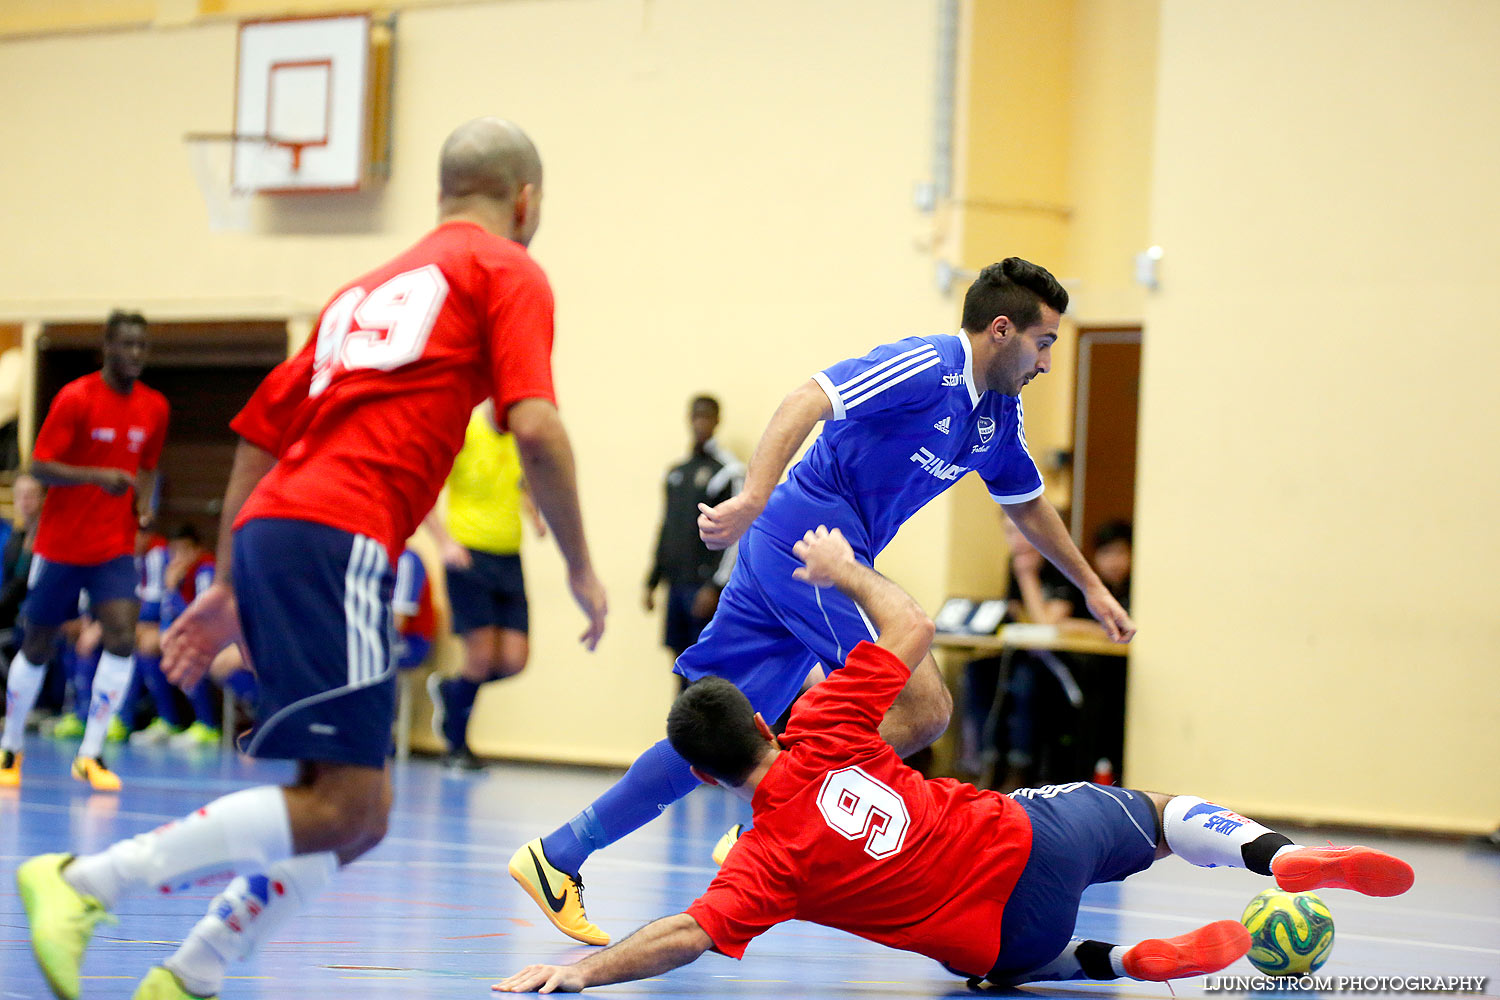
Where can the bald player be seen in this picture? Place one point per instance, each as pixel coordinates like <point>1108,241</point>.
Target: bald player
<point>343,450</point>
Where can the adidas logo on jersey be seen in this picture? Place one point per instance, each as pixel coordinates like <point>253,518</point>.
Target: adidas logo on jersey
<point>943,424</point>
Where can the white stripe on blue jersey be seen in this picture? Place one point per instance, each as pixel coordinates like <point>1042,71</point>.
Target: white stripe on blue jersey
<point>907,423</point>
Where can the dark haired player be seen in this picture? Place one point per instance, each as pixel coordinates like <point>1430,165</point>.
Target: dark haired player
<point>849,837</point>
<point>97,452</point>
<point>343,449</point>
<point>905,422</point>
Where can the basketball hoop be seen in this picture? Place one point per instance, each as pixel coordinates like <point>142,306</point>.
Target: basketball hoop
<point>231,168</point>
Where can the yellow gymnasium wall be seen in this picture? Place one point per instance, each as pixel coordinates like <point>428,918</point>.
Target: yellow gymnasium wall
<point>1317,535</point>
<point>728,208</point>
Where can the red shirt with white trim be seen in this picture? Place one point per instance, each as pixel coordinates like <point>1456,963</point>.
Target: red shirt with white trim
<point>848,836</point>
<point>91,424</point>
<point>365,420</point>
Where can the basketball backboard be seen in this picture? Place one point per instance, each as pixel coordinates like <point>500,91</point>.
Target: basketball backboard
<point>304,83</point>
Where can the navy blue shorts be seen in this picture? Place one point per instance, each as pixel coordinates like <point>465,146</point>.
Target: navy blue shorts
<point>52,597</point>
<point>770,629</point>
<point>490,594</point>
<point>1081,834</point>
<point>315,604</point>
<point>683,627</point>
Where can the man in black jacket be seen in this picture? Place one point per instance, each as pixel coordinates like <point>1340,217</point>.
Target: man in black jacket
<point>694,575</point>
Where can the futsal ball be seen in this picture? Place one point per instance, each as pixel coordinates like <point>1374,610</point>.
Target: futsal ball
<point>1291,933</point>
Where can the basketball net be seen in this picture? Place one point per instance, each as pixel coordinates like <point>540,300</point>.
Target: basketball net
<point>229,197</point>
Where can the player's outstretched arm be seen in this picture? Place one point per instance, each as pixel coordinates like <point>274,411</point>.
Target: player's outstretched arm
<point>660,946</point>
<point>903,626</point>
<point>722,525</point>
<point>547,459</point>
<point>1040,524</point>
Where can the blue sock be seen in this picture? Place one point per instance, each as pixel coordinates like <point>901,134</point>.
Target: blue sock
<point>202,698</point>
<point>68,660</point>
<point>82,670</point>
<point>658,778</point>
<point>242,683</point>
<point>162,694</point>
<point>129,709</point>
<point>459,694</point>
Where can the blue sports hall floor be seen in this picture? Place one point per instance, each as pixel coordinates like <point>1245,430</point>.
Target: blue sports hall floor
<point>432,912</point>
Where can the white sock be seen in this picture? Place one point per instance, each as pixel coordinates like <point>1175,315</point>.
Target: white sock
<point>21,689</point>
<point>244,915</point>
<point>1211,836</point>
<point>244,831</point>
<point>111,679</point>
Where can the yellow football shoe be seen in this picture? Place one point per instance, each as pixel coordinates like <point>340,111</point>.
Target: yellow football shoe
<point>93,771</point>
<point>559,894</point>
<point>10,769</point>
<point>161,984</point>
<point>62,920</point>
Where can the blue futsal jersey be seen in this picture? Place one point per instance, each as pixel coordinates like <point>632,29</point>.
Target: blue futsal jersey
<point>907,424</point>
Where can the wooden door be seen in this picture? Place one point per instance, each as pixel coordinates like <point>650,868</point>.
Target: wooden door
<point>1105,407</point>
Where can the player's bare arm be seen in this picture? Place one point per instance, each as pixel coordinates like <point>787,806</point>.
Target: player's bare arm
<point>660,946</point>
<point>722,525</point>
<point>547,459</point>
<point>455,556</point>
<point>112,481</point>
<point>145,496</point>
<point>1040,524</point>
<point>212,621</point>
<point>904,628</point>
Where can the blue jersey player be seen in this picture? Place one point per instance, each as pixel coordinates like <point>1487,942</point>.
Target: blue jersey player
<point>904,423</point>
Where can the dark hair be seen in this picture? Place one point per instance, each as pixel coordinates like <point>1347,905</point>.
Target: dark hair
<point>706,400</point>
<point>185,532</point>
<point>712,726</point>
<point>120,318</point>
<point>1015,288</point>
<point>1113,531</point>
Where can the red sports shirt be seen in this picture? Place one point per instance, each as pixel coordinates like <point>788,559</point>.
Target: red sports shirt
<point>849,837</point>
<point>91,424</point>
<point>365,420</point>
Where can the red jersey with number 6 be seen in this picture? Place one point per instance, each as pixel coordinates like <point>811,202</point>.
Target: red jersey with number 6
<point>365,420</point>
<point>91,424</point>
<point>849,837</point>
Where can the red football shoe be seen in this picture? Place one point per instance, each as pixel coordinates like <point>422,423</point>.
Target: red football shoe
<point>1362,869</point>
<point>1207,949</point>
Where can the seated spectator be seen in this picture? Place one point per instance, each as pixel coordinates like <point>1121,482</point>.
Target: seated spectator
<point>169,715</point>
<point>189,572</point>
<point>15,553</point>
<point>1112,552</point>
<point>230,672</point>
<point>416,623</point>
<point>1038,594</point>
<point>1100,725</point>
<point>1070,716</point>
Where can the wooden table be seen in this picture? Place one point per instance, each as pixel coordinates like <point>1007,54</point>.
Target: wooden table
<point>1049,637</point>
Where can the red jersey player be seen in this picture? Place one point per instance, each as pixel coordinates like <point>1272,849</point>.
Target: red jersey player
<point>344,448</point>
<point>97,450</point>
<point>847,836</point>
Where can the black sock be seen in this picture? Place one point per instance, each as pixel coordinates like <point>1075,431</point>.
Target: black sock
<point>1259,852</point>
<point>1093,959</point>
